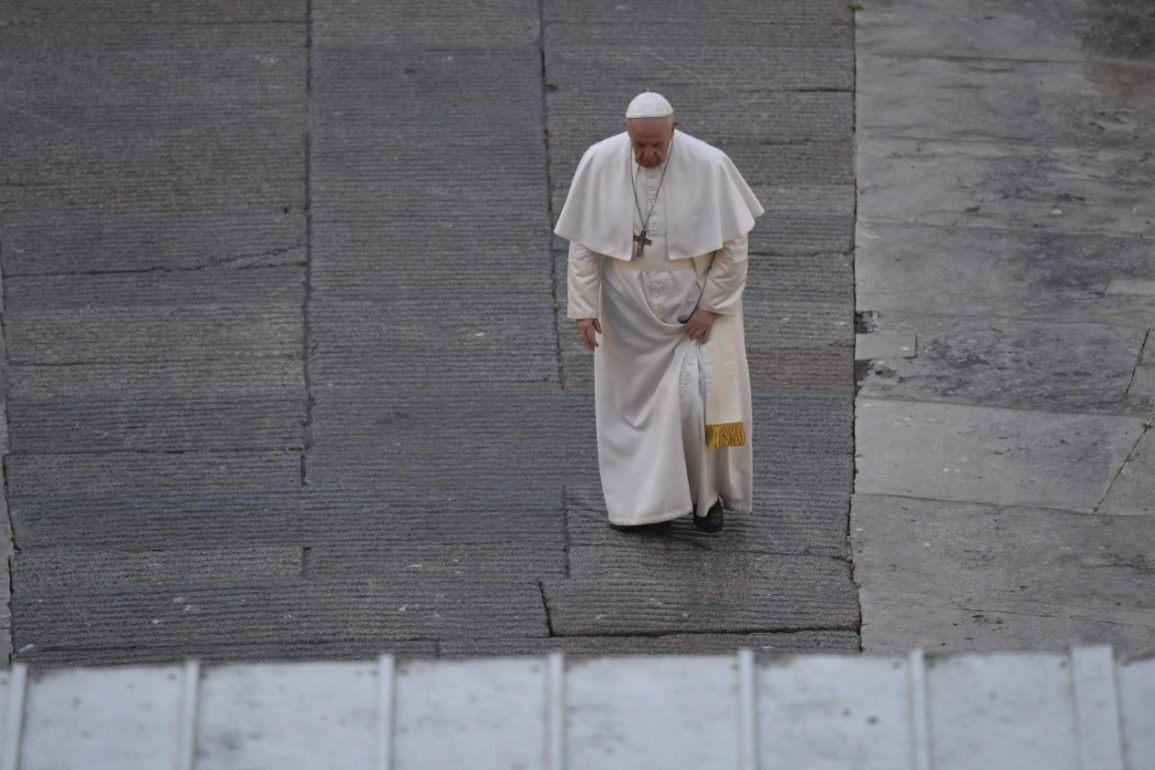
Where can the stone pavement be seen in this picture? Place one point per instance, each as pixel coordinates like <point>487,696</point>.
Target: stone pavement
<point>287,368</point>
<point>1005,271</point>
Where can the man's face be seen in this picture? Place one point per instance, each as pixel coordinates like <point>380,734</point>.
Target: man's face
<point>650,138</point>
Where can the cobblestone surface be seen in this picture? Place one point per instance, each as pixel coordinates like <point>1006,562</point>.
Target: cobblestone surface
<point>287,367</point>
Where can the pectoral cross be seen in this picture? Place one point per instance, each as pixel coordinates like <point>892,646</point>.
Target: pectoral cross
<point>640,243</point>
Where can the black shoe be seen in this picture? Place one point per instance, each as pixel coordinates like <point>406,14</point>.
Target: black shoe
<point>712,521</point>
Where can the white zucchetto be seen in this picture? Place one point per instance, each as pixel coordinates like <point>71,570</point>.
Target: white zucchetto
<point>649,105</point>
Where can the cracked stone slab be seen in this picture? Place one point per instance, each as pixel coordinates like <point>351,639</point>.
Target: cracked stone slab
<point>961,576</point>
<point>1130,492</point>
<point>1033,274</point>
<point>618,591</point>
<point>998,100</point>
<point>977,454</point>
<point>1062,189</point>
<point>1009,363</point>
<point>764,645</point>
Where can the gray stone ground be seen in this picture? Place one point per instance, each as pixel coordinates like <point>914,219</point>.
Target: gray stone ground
<point>287,368</point>
<point>1005,271</point>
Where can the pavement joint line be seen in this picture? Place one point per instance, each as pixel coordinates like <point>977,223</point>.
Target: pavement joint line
<point>1138,363</point>
<point>307,424</point>
<point>961,225</point>
<point>739,631</point>
<point>9,532</point>
<point>545,608</point>
<point>1009,59</point>
<point>895,134</point>
<point>565,527</point>
<point>1021,613</point>
<point>998,229</point>
<point>998,507</point>
<point>553,272</point>
<point>970,405</point>
<point>1029,319</point>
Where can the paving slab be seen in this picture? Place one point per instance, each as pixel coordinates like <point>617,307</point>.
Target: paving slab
<point>174,406</point>
<point>63,13</point>
<point>61,475</point>
<point>617,71</point>
<point>1036,30</point>
<point>267,422</point>
<point>69,242</point>
<point>614,591</point>
<point>1061,189</point>
<point>412,560</point>
<point>156,77</point>
<point>317,515</point>
<point>89,335</point>
<point>770,117</point>
<point>1010,363</point>
<point>93,572</point>
<point>408,342</point>
<point>785,521</point>
<point>822,22</point>
<point>217,161</point>
<point>1031,274</point>
<point>292,613</point>
<point>486,256</point>
<point>985,455</point>
<point>1039,103</point>
<point>963,576</point>
<point>69,35</point>
<point>416,25</point>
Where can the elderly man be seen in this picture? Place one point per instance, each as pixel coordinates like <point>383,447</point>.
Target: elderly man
<point>657,224</point>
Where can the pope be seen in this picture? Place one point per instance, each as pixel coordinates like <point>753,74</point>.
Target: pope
<point>657,223</point>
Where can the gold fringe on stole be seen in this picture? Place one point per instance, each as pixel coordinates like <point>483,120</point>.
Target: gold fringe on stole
<point>726,434</point>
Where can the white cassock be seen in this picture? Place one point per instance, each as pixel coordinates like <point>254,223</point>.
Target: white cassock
<point>661,397</point>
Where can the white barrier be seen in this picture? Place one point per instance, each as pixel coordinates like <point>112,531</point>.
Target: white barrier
<point>1082,711</point>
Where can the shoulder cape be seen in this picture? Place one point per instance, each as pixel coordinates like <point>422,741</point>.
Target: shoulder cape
<point>707,200</point>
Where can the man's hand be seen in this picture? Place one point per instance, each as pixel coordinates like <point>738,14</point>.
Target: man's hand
<point>698,326</point>
<point>586,328</point>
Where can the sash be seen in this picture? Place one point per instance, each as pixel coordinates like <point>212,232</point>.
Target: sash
<point>725,425</point>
